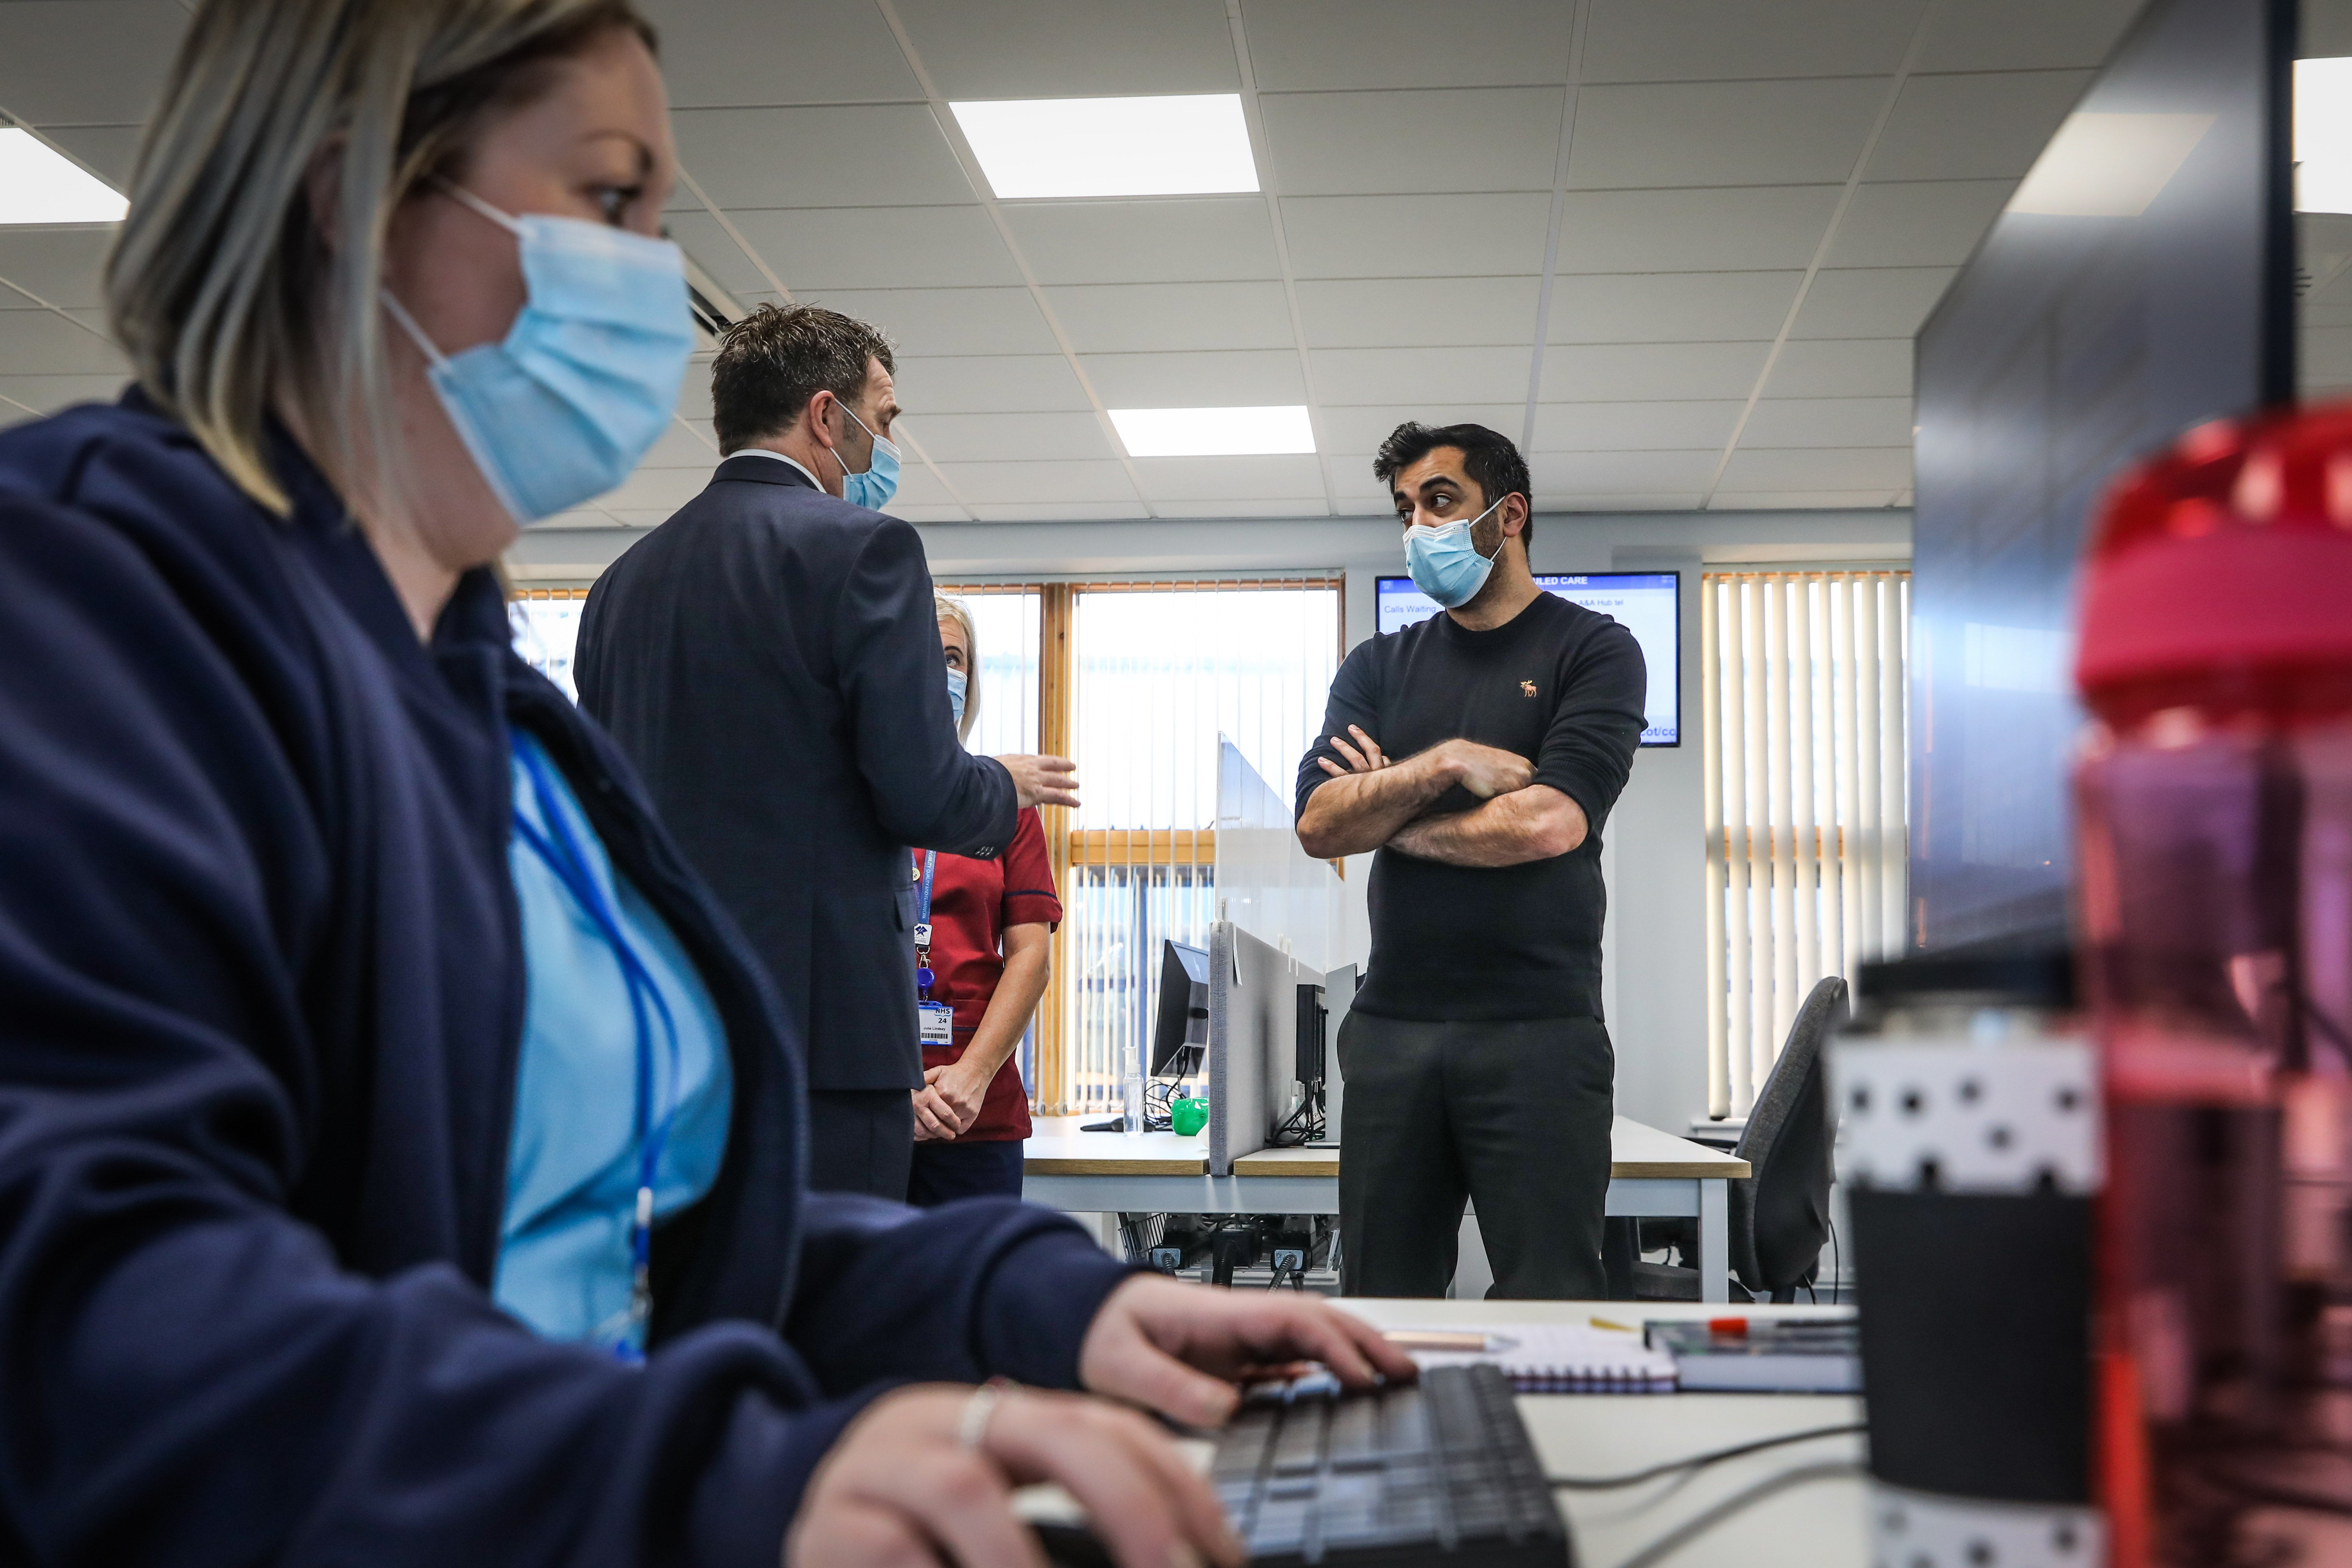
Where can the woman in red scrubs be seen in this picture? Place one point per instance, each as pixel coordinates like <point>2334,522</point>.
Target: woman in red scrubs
<point>990,925</point>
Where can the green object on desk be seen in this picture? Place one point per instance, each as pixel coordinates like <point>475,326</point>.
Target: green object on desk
<point>1188,1115</point>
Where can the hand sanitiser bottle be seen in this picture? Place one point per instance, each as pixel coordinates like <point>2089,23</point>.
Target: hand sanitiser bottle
<point>2214,817</point>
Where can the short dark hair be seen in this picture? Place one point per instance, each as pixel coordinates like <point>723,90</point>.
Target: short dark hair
<point>775,359</point>
<point>1487,457</point>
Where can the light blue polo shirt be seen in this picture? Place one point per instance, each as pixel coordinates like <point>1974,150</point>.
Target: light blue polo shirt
<point>564,1264</point>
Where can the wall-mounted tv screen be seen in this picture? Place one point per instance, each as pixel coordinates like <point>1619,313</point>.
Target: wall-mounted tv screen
<point>1647,604</point>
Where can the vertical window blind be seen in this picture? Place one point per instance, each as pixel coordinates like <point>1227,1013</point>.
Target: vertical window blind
<point>1804,694</point>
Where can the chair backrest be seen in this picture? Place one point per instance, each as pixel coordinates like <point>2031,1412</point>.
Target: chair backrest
<point>1777,1242</point>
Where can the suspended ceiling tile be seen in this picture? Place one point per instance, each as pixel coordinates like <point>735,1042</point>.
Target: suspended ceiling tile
<point>835,155</point>
<point>1000,483</point>
<point>1594,473</point>
<point>1721,132</point>
<point>1416,236</point>
<point>1828,422</point>
<point>1366,143</point>
<point>655,490</point>
<point>2024,34</point>
<point>1362,430</point>
<point>1797,500</point>
<point>948,512</point>
<point>1670,501</point>
<point>1842,367</point>
<point>1704,40</point>
<point>1882,468</point>
<point>880,248</point>
<point>1247,378</point>
<point>1249,509</point>
<point>1872,301</point>
<point>988,384</point>
<point>1317,45</point>
<point>732,52</point>
<point>1115,318</point>
<point>40,342</point>
<point>640,520</point>
<point>1062,511</point>
<point>1671,307</point>
<point>1384,312</point>
<point>61,265</point>
<point>919,487</point>
<point>1588,372</point>
<point>1011,437</point>
<point>1935,222</point>
<point>1184,239</point>
<point>47,394</point>
<point>1230,479</point>
<point>110,152</point>
<point>704,238</point>
<point>1357,492</point>
<point>1636,426</point>
<point>932,322</point>
<point>86,62</point>
<point>1423,375</point>
<point>681,447</point>
<point>1068,48</point>
<point>1985,127</point>
<point>1737,229</point>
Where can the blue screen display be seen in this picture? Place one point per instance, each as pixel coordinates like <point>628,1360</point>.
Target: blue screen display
<point>1647,604</point>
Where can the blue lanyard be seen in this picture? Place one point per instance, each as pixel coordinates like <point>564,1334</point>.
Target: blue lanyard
<point>564,856</point>
<point>924,978</point>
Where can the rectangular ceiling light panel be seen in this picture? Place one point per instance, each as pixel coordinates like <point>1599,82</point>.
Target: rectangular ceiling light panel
<point>38,185</point>
<point>1213,432</point>
<point>2108,165</point>
<point>1067,147</point>
<point>2323,136</point>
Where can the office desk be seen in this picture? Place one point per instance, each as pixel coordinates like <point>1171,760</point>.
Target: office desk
<point>1653,1175</point>
<point>1820,1524</point>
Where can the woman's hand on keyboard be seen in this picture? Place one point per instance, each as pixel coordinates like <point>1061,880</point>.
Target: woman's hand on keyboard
<point>1184,1349</point>
<point>925,1475</point>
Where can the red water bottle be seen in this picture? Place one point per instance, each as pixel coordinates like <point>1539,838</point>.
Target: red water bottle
<point>2214,819</point>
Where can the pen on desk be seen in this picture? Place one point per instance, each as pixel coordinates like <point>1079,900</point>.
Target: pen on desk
<point>1455,1339</point>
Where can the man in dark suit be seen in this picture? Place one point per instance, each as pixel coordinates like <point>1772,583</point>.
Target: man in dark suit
<point>768,660</point>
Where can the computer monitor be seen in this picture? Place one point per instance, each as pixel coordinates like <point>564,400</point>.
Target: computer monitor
<point>1180,1036</point>
<point>1647,604</point>
<point>2141,280</point>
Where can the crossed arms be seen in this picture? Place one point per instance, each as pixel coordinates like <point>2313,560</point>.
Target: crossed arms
<point>1375,802</point>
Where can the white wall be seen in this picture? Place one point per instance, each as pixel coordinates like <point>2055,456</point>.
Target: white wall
<point>1654,855</point>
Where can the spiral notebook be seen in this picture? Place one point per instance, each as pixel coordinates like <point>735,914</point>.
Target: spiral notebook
<point>1555,1358</point>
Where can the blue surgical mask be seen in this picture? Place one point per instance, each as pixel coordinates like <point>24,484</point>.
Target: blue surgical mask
<point>873,489</point>
<point>585,380</point>
<point>956,684</point>
<point>1445,564</point>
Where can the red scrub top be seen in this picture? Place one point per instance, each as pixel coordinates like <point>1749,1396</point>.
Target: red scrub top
<point>971,904</point>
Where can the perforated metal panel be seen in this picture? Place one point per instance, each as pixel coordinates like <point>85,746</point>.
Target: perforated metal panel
<point>1920,1530</point>
<point>1967,1117</point>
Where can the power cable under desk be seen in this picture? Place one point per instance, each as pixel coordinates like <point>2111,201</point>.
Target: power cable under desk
<point>1736,1504</point>
<point>1700,1461</point>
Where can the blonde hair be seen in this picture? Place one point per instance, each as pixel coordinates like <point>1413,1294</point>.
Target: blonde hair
<point>227,289</point>
<point>946,609</point>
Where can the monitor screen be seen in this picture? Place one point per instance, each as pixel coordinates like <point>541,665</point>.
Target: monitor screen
<point>1647,604</point>
<point>2139,282</point>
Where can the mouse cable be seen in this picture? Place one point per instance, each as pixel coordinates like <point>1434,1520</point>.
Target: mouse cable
<point>1699,1461</point>
<point>1738,1502</point>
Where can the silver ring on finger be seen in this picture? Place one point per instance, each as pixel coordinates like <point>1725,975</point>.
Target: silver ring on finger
<point>971,1428</point>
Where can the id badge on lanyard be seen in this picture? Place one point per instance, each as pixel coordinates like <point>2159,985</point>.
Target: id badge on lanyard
<point>935,1020</point>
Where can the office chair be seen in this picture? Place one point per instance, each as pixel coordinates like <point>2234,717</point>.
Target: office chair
<point>1779,1214</point>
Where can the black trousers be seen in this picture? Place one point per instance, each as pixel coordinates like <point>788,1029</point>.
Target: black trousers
<point>1515,1115</point>
<point>861,1141</point>
<point>946,1170</point>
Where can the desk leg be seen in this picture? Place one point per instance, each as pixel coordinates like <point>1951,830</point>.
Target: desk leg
<point>1715,1241</point>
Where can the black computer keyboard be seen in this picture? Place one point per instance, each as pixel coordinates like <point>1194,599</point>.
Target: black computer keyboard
<point>1438,1471</point>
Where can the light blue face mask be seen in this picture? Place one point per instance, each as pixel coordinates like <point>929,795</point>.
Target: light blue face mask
<point>585,380</point>
<point>873,489</point>
<point>956,684</point>
<point>1444,562</point>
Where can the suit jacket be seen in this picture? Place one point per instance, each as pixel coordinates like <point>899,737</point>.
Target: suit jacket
<point>769,661</point>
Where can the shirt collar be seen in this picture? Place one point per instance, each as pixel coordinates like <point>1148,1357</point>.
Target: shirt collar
<point>764,452</point>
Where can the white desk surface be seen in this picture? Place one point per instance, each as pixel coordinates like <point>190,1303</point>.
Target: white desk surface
<point>1057,1148</point>
<point>1820,1524</point>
